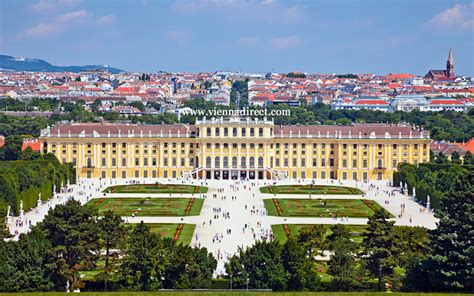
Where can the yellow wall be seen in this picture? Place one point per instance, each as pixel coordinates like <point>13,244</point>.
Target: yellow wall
<point>297,157</point>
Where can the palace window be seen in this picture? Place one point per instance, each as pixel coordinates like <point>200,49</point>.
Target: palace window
<point>243,162</point>
<point>226,162</point>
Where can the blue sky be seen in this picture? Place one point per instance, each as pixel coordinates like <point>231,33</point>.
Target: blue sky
<point>370,36</point>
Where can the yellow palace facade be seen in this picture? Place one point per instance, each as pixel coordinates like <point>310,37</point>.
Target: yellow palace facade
<point>236,148</point>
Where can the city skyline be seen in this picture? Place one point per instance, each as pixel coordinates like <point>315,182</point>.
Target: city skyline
<point>211,35</point>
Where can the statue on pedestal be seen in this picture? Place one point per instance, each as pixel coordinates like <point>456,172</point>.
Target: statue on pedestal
<point>22,212</point>
<point>9,217</point>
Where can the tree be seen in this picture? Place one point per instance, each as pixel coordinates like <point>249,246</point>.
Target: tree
<point>377,247</point>
<point>188,268</point>
<point>141,269</point>
<point>96,104</point>
<point>338,232</point>
<point>4,232</point>
<point>455,157</point>
<point>12,147</point>
<point>342,264</point>
<point>409,241</point>
<point>29,154</point>
<point>450,265</point>
<point>261,264</point>
<point>441,158</point>
<point>23,263</point>
<point>112,233</point>
<point>73,233</point>
<point>469,158</point>
<point>301,272</point>
<point>312,239</point>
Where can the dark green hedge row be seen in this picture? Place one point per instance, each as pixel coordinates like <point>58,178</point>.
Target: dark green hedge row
<point>429,179</point>
<point>24,180</point>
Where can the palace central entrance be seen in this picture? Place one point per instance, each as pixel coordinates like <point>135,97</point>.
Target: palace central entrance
<point>235,174</point>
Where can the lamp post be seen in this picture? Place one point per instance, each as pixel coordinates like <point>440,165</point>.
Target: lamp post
<point>247,284</point>
<point>231,282</point>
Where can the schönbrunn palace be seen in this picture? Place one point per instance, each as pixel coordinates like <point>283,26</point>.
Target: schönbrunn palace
<point>236,148</point>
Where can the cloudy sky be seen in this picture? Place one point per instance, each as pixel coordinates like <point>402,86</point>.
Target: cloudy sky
<point>370,36</point>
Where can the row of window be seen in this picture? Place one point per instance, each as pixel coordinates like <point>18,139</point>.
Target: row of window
<point>323,162</point>
<point>243,162</point>
<point>234,131</point>
<point>136,174</point>
<point>294,175</point>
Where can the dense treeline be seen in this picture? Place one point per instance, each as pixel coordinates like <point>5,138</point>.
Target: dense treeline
<point>379,259</point>
<point>444,125</point>
<point>73,239</point>
<point>25,180</point>
<point>388,258</point>
<point>429,179</point>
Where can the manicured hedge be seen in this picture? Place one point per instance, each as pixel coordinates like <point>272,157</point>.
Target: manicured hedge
<point>24,180</point>
<point>429,179</point>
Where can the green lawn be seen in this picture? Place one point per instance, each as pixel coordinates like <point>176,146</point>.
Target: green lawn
<point>148,206</point>
<point>295,207</point>
<point>311,189</point>
<point>169,230</point>
<point>156,188</point>
<point>240,293</point>
<point>280,235</point>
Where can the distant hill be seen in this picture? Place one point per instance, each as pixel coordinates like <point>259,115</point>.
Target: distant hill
<point>37,65</point>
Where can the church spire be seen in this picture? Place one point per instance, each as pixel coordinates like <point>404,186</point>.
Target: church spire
<point>450,65</point>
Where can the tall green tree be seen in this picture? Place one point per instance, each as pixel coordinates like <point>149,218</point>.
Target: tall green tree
<point>188,268</point>
<point>12,148</point>
<point>72,230</point>
<point>378,248</point>
<point>112,234</point>
<point>343,264</point>
<point>338,232</point>
<point>450,265</point>
<point>22,267</point>
<point>456,157</point>
<point>261,265</point>
<point>301,272</point>
<point>313,239</point>
<point>141,268</point>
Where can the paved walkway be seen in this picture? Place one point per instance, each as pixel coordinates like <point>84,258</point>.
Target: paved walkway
<point>233,214</point>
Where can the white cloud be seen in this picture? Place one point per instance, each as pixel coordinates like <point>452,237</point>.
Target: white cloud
<point>284,42</point>
<point>459,17</point>
<point>41,30</point>
<point>193,6</point>
<point>72,16</point>
<point>47,6</point>
<point>248,41</point>
<point>65,21</point>
<point>253,10</point>
<point>106,20</point>
<point>178,36</point>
